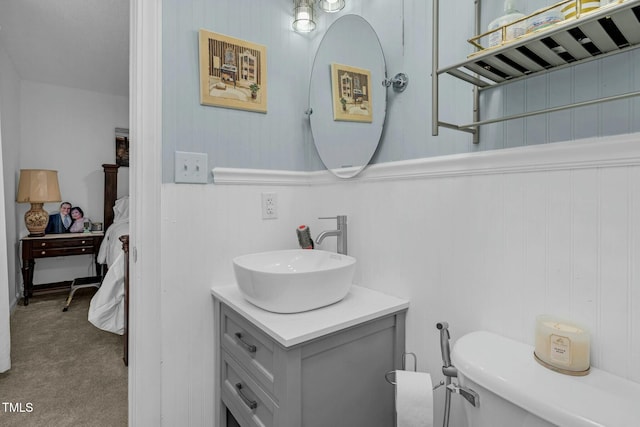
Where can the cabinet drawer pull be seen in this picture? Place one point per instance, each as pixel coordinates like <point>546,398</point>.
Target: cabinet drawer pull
<point>252,404</point>
<point>83,249</point>
<point>43,244</point>
<point>250,347</point>
<point>84,241</point>
<point>43,252</point>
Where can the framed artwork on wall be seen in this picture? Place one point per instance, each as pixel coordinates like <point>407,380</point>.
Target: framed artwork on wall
<point>351,94</point>
<point>122,147</point>
<point>233,72</point>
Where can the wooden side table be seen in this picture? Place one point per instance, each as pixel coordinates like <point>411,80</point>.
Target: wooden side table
<point>56,245</point>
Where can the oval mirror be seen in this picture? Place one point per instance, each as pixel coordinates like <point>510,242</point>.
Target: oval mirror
<point>347,99</point>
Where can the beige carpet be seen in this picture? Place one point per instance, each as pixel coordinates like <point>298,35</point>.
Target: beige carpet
<point>68,371</point>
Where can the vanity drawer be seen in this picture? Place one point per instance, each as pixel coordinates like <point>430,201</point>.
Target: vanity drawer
<point>247,401</point>
<point>255,351</point>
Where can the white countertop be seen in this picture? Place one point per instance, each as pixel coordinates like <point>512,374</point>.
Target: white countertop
<point>360,305</point>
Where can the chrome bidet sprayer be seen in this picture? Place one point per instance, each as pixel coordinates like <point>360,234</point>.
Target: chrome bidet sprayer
<point>444,343</point>
<point>448,369</point>
<point>449,372</point>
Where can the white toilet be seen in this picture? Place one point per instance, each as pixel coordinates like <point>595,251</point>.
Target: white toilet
<point>514,390</point>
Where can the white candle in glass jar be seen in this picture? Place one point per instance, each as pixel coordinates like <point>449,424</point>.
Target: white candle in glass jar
<point>562,344</point>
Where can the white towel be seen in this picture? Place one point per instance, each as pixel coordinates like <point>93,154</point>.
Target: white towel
<point>414,399</point>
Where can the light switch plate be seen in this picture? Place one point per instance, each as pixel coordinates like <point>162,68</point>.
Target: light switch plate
<point>191,168</point>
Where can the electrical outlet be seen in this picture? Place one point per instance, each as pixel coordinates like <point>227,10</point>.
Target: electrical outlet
<point>269,205</point>
<point>191,168</point>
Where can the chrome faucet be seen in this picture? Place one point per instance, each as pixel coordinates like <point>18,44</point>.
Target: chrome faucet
<point>340,233</point>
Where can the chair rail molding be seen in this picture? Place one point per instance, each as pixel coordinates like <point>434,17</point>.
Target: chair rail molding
<point>610,151</point>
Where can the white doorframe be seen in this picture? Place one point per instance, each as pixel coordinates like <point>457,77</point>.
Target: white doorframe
<point>145,109</point>
<point>5,312</point>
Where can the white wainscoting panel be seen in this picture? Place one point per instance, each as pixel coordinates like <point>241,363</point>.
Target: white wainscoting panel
<point>543,233</point>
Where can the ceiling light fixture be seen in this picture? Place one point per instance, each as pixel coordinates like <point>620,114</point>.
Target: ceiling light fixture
<point>331,6</point>
<point>303,16</point>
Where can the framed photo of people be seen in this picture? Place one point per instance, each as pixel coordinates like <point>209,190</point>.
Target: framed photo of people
<point>233,72</point>
<point>69,219</point>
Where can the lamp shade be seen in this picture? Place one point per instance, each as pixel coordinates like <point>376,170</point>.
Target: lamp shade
<point>38,186</point>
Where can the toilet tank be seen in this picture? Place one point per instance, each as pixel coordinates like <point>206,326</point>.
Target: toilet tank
<point>506,373</point>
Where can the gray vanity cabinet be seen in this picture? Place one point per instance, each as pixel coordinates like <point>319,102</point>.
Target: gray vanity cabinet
<point>336,379</point>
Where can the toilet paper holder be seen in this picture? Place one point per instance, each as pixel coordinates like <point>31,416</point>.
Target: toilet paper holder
<point>390,376</point>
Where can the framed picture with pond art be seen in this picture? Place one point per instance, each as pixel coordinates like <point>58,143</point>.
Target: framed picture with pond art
<point>351,93</point>
<point>233,72</point>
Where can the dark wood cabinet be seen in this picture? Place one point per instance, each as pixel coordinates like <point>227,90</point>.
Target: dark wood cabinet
<point>56,245</point>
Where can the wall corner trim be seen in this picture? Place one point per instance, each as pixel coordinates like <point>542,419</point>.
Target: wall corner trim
<point>610,151</point>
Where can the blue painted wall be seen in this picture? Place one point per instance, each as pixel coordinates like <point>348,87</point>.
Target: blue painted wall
<point>281,138</point>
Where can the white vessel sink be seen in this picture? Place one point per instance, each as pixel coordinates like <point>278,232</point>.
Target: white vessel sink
<point>291,281</point>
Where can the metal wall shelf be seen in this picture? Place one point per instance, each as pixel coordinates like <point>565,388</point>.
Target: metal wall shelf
<point>611,29</point>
